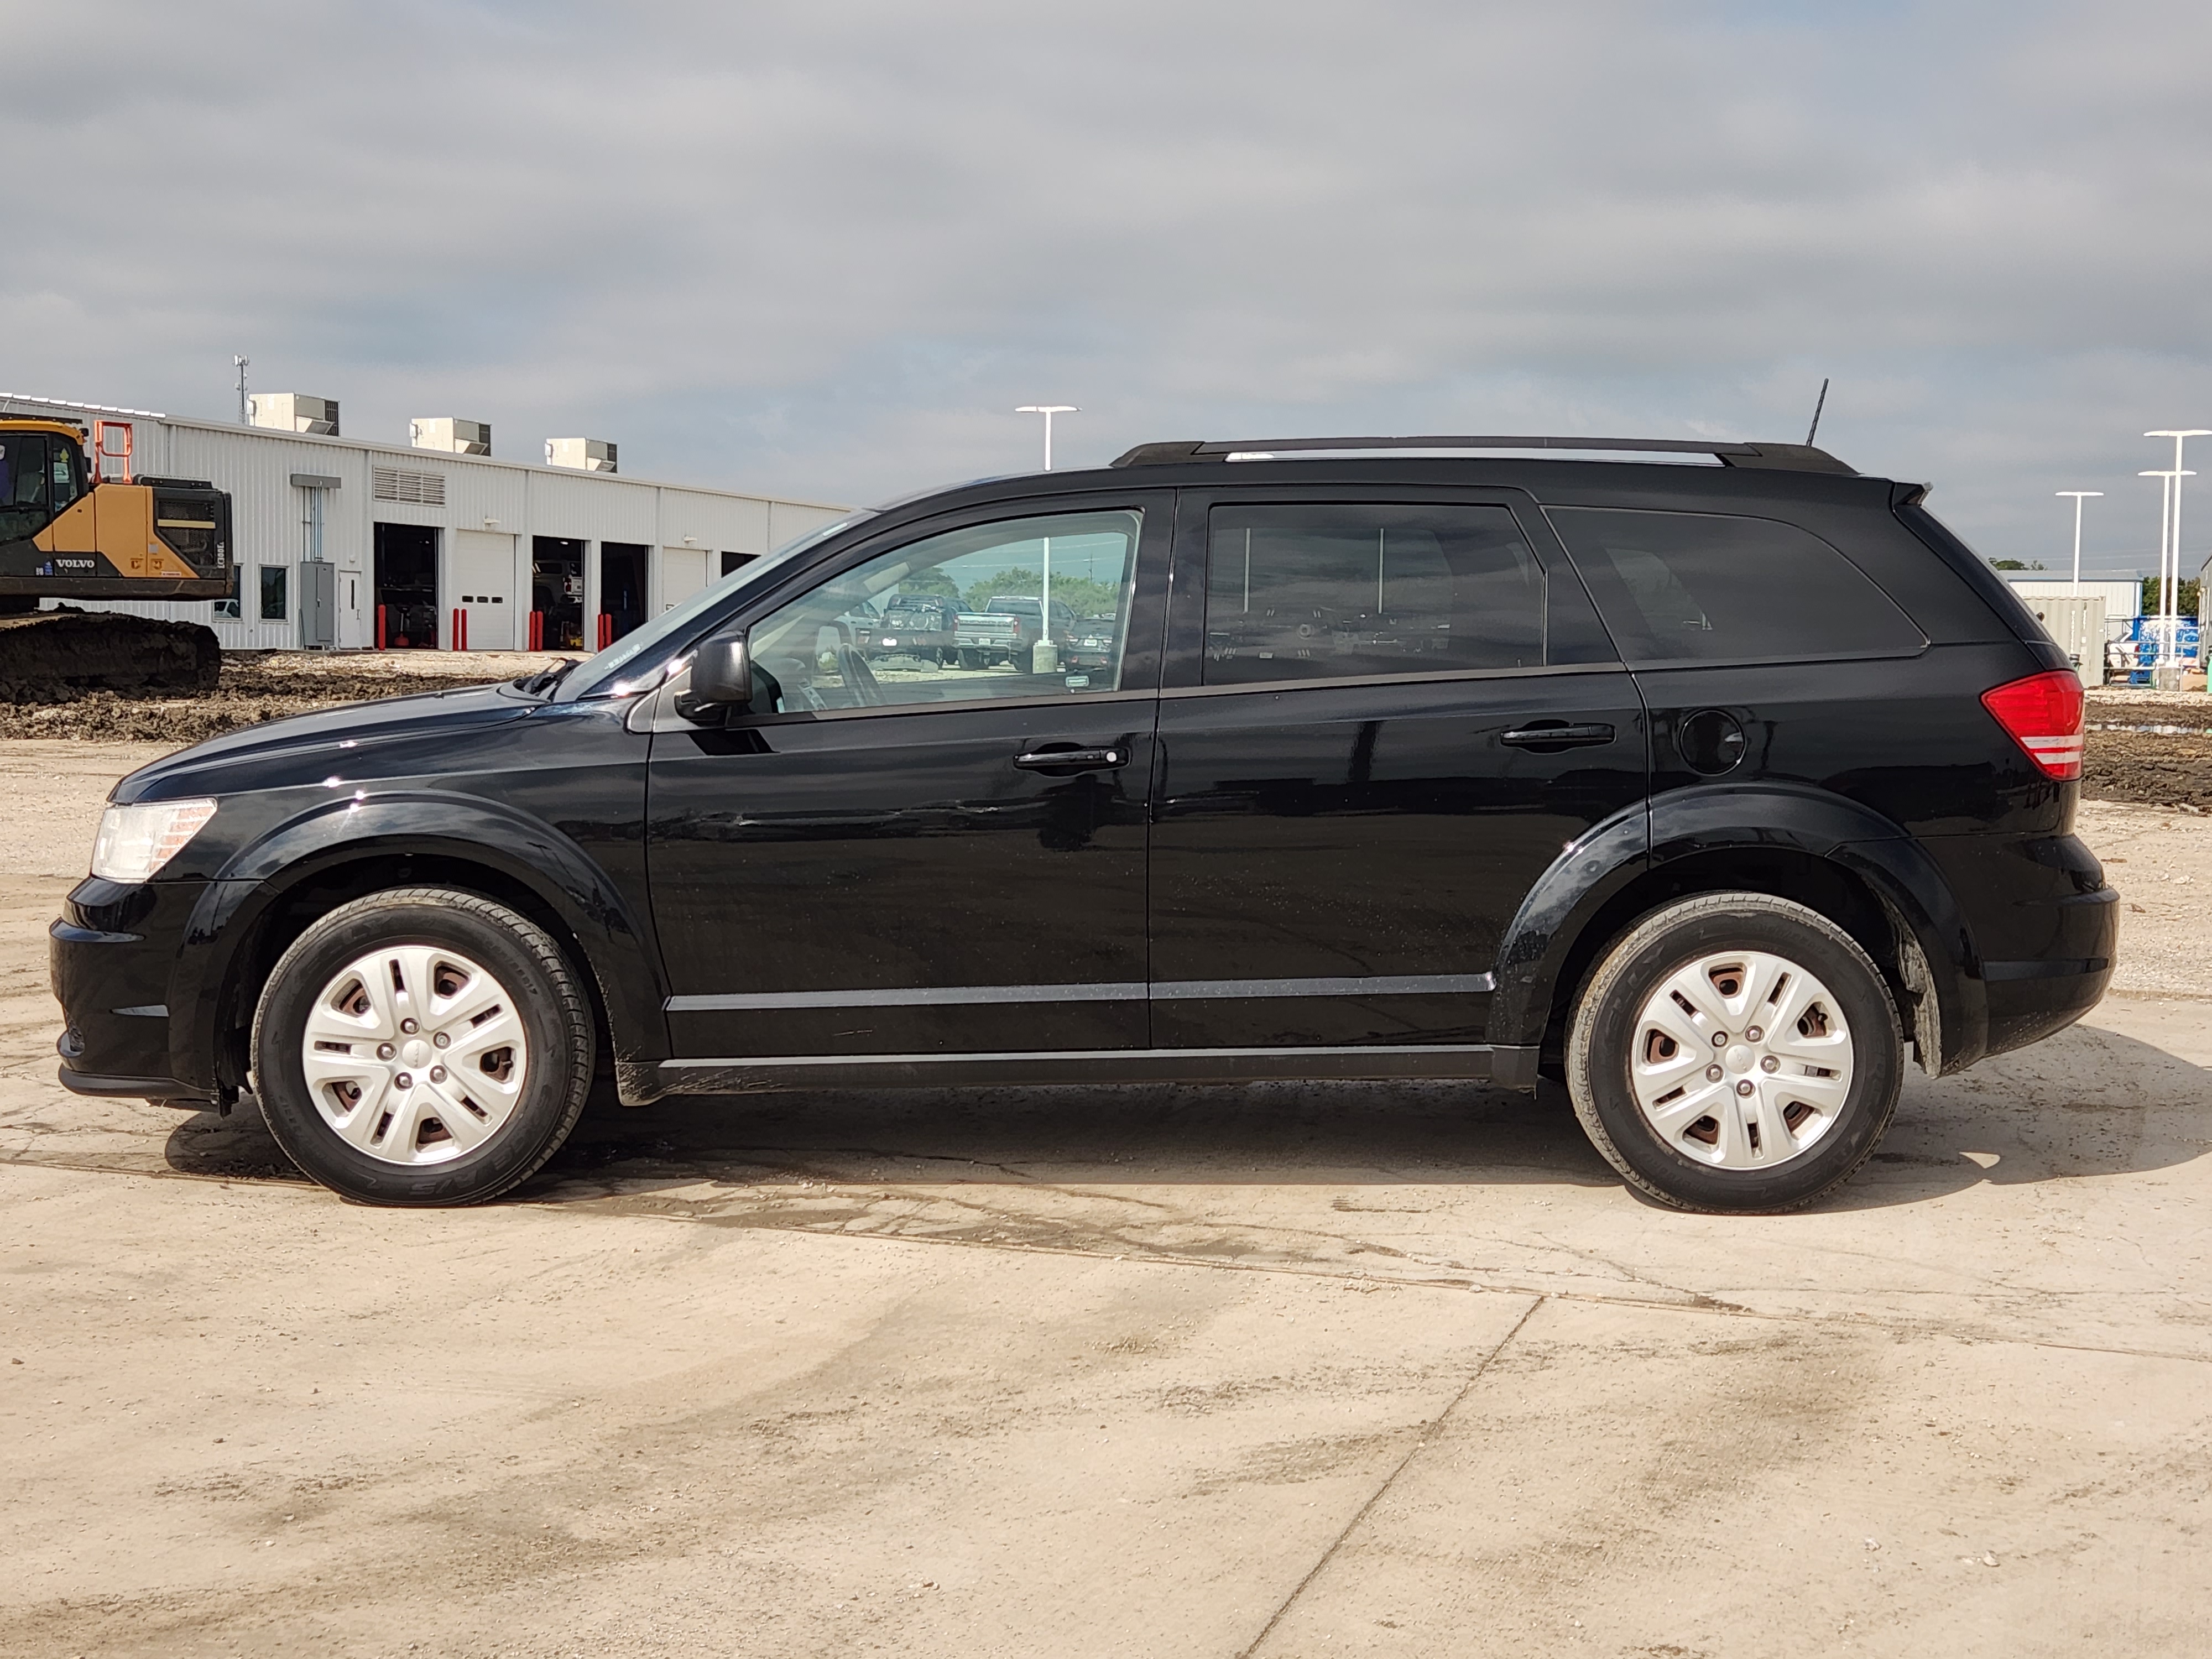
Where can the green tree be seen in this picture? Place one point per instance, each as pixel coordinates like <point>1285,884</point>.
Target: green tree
<point>2153,596</point>
<point>2014,564</point>
<point>935,580</point>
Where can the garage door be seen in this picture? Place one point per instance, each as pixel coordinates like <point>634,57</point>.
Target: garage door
<point>682,573</point>
<point>484,586</point>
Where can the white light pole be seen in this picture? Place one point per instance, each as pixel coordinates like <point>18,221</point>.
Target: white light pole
<point>2166,633</point>
<point>1050,409</point>
<point>2170,610</point>
<point>1044,655</point>
<point>2078,496</point>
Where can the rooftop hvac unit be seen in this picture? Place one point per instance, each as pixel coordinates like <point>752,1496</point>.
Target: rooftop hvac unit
<point>451,434</point>
<point>293,411</point>
<point>585,454</point>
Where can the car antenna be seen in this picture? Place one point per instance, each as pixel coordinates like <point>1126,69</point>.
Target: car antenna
<point>1819,405</point>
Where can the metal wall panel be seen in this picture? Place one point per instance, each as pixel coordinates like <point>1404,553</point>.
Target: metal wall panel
<point>482,495</point>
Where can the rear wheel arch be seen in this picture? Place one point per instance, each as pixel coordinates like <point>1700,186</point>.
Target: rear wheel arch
<point>1889,920</point>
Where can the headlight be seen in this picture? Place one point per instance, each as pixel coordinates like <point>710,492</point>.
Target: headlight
<point>135,842</point>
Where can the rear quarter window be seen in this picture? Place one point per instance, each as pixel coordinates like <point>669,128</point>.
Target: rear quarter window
<point>1723,587</point>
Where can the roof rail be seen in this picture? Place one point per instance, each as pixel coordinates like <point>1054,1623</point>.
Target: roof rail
<point>1794,457</point>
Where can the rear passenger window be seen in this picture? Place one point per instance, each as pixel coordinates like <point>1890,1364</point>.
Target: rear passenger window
<point>1711,587</point>
<point>1322,591</point>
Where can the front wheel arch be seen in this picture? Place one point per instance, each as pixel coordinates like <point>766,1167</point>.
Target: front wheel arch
<point>286,911</point>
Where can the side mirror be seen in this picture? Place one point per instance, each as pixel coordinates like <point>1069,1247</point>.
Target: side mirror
<point>722,676</point>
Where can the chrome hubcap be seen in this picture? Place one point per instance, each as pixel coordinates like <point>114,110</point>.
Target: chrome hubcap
<point>1742,1060</point>
<point>415,1055</point>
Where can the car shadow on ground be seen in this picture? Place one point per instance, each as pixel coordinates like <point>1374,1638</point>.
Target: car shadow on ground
<point>2088,1102</point>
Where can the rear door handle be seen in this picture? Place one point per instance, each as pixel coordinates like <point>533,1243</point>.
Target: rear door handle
<point>1561,736</point>
<point>1071,759</point>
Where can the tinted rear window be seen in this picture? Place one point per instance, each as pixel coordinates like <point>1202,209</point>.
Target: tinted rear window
<point>1323,591</point>
<point>1716,587</point>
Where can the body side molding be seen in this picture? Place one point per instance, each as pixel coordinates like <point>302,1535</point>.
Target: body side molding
<point>1181,990</point>
<point>639,1083</point>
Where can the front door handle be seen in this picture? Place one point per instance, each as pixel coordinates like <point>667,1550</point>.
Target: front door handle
<point>1558,736</point>
<point>1071,759</point>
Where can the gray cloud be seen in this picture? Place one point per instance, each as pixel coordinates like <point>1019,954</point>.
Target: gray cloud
<point>825,248</point>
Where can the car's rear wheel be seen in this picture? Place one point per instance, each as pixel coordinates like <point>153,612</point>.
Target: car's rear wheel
<point>1736,1051</point>
<point>421,1046</point>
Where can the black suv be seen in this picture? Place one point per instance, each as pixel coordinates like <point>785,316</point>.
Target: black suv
<point>1702,779</point>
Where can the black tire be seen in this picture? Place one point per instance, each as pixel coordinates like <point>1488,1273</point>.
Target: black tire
<point>1602,1038</point>
<point>555,1015</point>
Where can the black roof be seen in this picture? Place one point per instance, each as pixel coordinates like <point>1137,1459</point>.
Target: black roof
<point>1788,458</point>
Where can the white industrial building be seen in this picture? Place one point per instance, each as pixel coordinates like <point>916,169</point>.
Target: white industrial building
<point>437,544</point>
<point>2122,597</point>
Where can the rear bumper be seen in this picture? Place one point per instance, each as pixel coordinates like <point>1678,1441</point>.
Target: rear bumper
<point>2029,999</point>
<point>2045,930</point>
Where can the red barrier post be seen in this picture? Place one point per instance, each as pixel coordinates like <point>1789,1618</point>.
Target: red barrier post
<point>383,615</point>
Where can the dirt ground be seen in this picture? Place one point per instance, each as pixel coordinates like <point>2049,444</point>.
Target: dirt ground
<point>1271,1370</point>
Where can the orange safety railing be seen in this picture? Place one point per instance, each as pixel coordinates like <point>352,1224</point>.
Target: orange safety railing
<point>105,436</point>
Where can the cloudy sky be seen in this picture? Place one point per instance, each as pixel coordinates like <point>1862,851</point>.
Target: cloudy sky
<point>823,248</point>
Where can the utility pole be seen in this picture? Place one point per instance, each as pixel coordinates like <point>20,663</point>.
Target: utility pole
<point>241,363</point>
<point>2078,496</point>
<point>1044,655</point>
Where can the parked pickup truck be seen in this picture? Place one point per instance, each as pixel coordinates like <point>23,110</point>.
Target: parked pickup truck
<point>923,625</point>
<point>984,638</point>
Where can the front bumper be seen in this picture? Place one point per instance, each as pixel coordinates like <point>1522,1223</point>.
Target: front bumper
<point>113,954</point>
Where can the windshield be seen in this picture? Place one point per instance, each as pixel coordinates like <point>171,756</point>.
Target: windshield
<point>636,658</point>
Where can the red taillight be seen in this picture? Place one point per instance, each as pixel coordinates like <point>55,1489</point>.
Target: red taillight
<point>2043,715</point>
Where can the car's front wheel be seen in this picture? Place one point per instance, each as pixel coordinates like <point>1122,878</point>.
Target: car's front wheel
<point>1736,1051</point>
<point>422,1046</point>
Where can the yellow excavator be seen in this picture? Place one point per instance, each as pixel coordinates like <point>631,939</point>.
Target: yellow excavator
<point>67,532</point>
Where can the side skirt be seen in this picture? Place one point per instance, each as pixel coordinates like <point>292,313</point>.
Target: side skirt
<point>640,1082</point>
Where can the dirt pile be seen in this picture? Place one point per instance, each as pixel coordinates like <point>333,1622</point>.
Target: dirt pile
<point>2143,746</point>
<point>58,656</point>
<point>257,686</point>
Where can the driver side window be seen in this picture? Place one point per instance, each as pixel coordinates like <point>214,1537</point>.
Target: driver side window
<point>23,503</point>
<point>1030,607</point>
